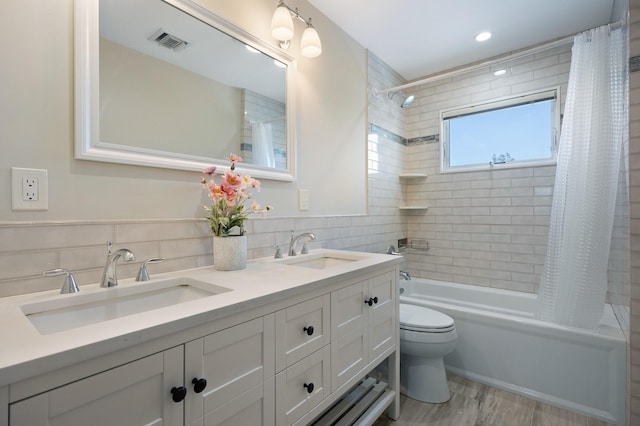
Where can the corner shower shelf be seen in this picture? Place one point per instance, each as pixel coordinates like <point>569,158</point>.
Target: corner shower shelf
<point>413,208</point>
<point>413,175</point>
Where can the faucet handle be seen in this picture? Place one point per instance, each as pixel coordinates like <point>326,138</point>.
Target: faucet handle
<point>69,285</point>
<point>143,274</point>
<point>278,254</point>
<point>304,250</point>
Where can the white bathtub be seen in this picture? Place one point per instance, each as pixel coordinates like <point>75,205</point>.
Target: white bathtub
<point>502,345</point>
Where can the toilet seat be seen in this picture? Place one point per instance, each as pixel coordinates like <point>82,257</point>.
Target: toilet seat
<point>424,320</point>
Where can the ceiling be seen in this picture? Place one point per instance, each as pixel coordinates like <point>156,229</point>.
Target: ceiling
<point>418,38</point>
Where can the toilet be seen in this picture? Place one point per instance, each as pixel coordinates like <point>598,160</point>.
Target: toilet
<point>426,336</point>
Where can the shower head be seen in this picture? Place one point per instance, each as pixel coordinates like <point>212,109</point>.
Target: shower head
<point>406,100</point>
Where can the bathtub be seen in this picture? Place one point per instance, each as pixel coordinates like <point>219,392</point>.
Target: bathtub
<point>500,344</point>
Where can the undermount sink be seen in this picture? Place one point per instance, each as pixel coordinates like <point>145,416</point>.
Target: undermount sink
<point>322,260</point>
<point>61,314</point>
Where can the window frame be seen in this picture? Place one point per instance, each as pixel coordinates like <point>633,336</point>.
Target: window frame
<point>495,104</point>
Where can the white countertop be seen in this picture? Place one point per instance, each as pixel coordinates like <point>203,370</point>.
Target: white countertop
<point>26,353</point>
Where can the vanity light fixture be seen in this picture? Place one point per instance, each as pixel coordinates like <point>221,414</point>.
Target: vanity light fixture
<point>483,36</point>
<point>282,30</point>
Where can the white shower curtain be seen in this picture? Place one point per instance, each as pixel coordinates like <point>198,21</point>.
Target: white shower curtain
<point>573,283</point>
<point>262,145</point>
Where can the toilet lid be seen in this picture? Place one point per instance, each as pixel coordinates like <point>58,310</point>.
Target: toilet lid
<point>419,318</point>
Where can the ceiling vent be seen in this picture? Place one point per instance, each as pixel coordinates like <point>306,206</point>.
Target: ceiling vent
<point>167,40</point>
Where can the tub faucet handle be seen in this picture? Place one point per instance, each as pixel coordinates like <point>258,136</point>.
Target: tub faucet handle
<point>392,250</point>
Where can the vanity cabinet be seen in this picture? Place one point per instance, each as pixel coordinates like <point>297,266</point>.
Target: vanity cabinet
<point>363,325</point>
<point>303,386</point>
<point>302,329</point>
<point>238,367</point>
<point>136,393</point>
<point>280,363</point>
<point>225,376</point>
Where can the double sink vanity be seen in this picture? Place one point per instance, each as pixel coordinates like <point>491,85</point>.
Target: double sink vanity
<point>278,343</point>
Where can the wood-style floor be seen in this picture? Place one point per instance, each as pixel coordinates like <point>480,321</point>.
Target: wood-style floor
<point>475,404</point>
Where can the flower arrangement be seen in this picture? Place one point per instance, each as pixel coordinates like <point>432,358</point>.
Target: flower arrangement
<point>228,209</point>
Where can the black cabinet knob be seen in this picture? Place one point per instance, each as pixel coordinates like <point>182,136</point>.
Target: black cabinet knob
<point>371,301</point>
<point>199,384</point>
<point>179,393</point>
<point>309,387</point>
<point>309,330</point>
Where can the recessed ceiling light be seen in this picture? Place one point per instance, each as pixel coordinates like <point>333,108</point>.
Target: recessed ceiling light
<point>500,72</point>
<point>483,36</point>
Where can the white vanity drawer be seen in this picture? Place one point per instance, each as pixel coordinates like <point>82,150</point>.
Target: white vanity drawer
<point>303,386</point>
<point>301,330</point>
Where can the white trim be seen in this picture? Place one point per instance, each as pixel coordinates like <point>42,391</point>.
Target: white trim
<point>500,103</point>
<point>87,135</point>
<point>496,167</point>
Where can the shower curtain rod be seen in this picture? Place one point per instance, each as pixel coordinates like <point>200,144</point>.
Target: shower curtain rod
<point>559,42</point>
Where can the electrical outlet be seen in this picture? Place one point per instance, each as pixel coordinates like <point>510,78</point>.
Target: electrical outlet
<point>29,189</point>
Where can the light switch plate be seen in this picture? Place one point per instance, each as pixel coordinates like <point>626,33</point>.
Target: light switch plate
<point>29,189</point>
<point>303,199</point>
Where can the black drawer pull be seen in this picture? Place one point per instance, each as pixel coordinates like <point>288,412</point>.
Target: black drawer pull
<point>308,330</point>
<point>199,384</point>
<point>371,301</point>
<point>309,387</point>
<point>179,393</point>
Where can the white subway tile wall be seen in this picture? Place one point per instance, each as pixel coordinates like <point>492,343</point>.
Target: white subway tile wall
<point>634,212</point>
<point>489,227</point>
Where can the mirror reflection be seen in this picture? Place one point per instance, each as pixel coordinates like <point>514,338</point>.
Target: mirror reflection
<point>172,86</point>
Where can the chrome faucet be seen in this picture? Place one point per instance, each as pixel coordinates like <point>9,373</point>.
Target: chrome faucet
<point>143,273</point>
<point>109,277</point>
<point>69,285</point>
<point>294,240</point>
<point>392,250</point>
<point>404,275</point>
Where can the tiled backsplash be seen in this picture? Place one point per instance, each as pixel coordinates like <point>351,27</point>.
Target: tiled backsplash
<point>27,249</point>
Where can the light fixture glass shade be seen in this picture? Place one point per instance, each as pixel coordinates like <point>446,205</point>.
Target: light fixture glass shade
<point>282,24</point>
<point>483,36</point>
<point>310,44</point>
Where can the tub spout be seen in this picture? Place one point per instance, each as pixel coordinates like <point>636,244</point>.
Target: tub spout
<point>404,275</point>
<point>392,250</point>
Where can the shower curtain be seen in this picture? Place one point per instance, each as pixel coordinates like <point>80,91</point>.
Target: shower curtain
<point>573,284</point>
<point>262,145</point>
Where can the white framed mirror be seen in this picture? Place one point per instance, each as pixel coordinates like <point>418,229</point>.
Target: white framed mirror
<point>167,83</point>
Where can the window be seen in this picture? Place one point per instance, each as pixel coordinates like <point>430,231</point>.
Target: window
<point>512,132</point>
